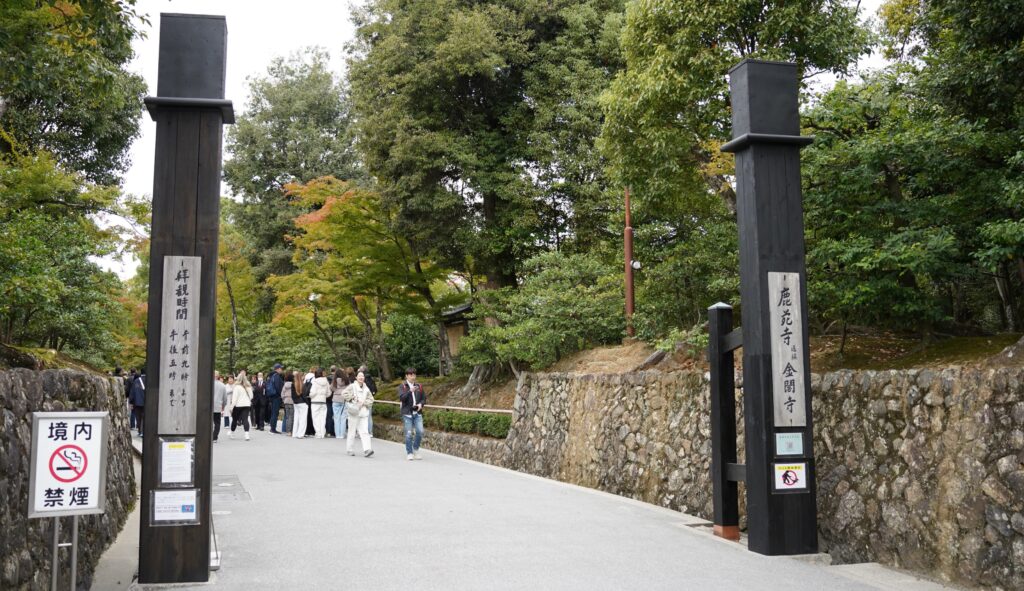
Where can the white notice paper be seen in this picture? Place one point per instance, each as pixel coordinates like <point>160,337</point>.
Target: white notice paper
<point>175,505</point>
<point>176,461</point>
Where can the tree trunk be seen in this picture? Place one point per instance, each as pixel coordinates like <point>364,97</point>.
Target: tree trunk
<point>1006,298</point>
<point>381,352</point>
<point>331,342</point>
<point>480,376</point>
<point>842,339</point>
<point>446,365</point>
<point>233,347</point>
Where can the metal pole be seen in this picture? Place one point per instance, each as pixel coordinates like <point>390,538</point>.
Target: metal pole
<point>628,240</point>
<point>53,559</point>
<point>74,552</point>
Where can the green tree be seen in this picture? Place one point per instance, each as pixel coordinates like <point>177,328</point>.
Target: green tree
<point>412,342</point>
<point>63,83</point>
<point>355,268</point>
<point>51,292</point>
<point>970,53</point>
<point>295,129</point>
<point>668,110</point>
<point>237,292</point>
<point>478,118</point>
<point>566,303</point>
<point>896,190</point>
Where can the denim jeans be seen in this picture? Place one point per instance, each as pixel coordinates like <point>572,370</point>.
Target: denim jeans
<point>275,408</point>
<point>289,416</point>
<point>340,419</point>
<point>411,423</point>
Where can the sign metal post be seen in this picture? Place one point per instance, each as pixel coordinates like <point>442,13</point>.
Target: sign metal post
<point>67,475</point>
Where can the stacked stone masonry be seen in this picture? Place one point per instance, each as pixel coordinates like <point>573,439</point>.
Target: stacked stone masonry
<point>25,543</point>
<point>922,469</point>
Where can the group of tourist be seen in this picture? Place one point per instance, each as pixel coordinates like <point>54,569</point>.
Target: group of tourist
<point>306,399</point>
<point>337,403</point>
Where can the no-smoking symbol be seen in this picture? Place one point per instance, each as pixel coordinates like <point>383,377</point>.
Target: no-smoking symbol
<point>68,463</point>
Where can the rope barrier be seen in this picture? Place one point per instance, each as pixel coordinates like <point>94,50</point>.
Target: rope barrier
<point>462,408</point>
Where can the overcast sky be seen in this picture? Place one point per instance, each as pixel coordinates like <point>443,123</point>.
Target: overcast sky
<point>258,31</point>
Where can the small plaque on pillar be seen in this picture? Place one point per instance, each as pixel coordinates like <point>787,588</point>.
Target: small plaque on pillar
<point>788,372</point>
<point>179,340</point>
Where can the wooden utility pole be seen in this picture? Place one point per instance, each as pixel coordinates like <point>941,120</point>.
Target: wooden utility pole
<point>189,110</point>
<point>779,474</point>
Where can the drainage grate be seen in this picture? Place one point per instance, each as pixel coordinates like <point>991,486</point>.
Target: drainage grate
<point>227,487</point>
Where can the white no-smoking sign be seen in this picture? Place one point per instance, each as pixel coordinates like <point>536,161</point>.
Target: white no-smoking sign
<point>69,463</point>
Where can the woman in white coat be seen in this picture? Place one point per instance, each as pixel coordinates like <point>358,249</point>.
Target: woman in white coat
<point>241,404</point>
<point>318,402</point>
<point>358,401</point>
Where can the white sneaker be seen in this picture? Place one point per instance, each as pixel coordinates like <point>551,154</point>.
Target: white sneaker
<point>350,452</point>
<point>247,436</point>
<point>417,456</point>
<point>231,435</point>
<point>368,453</point>
<point>408,456</point>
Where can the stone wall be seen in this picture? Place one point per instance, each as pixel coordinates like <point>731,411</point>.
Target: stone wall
<point>24,543</point>
<point>479,449</point>
<point>643,435</point>
<point>925,470</point>
<point>918,469</point>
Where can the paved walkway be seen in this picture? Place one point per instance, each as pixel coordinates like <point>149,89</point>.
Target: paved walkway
<point>301,514</point>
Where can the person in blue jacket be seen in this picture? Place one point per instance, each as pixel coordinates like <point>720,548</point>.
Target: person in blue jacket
<point>275,385</point>
<point>137,398</point>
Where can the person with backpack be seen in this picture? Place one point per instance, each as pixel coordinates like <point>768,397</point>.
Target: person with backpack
<point>275,385</point>
<point>413,398</point>
<point>137,398</point>
<point>302,400</point>
<point>358,399</point>
<point>241,404</point>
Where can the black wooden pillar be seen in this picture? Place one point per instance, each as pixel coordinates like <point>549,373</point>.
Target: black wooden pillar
<point>189,111</point>
<point>725,472</point>
<point>767,142</point>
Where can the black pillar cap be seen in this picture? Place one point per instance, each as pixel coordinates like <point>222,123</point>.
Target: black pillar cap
<point>765,104</point>
<point>193,64</point>
<point>193,56</point>
<point>765,98</point>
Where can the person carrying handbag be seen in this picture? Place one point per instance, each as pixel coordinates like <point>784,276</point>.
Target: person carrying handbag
<point>358,400</point>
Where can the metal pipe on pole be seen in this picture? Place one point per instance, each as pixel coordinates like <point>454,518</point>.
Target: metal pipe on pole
<point>628,241</point>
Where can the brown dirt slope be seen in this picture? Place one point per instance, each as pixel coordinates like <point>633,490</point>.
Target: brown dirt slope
<point>862,352</point>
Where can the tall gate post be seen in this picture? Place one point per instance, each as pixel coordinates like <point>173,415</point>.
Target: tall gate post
<point>780,477</point>
<point>189,110</point>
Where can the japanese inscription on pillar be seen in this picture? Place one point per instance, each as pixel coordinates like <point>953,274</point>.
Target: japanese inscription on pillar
<point>788,371</point>
<point>179,339</point>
